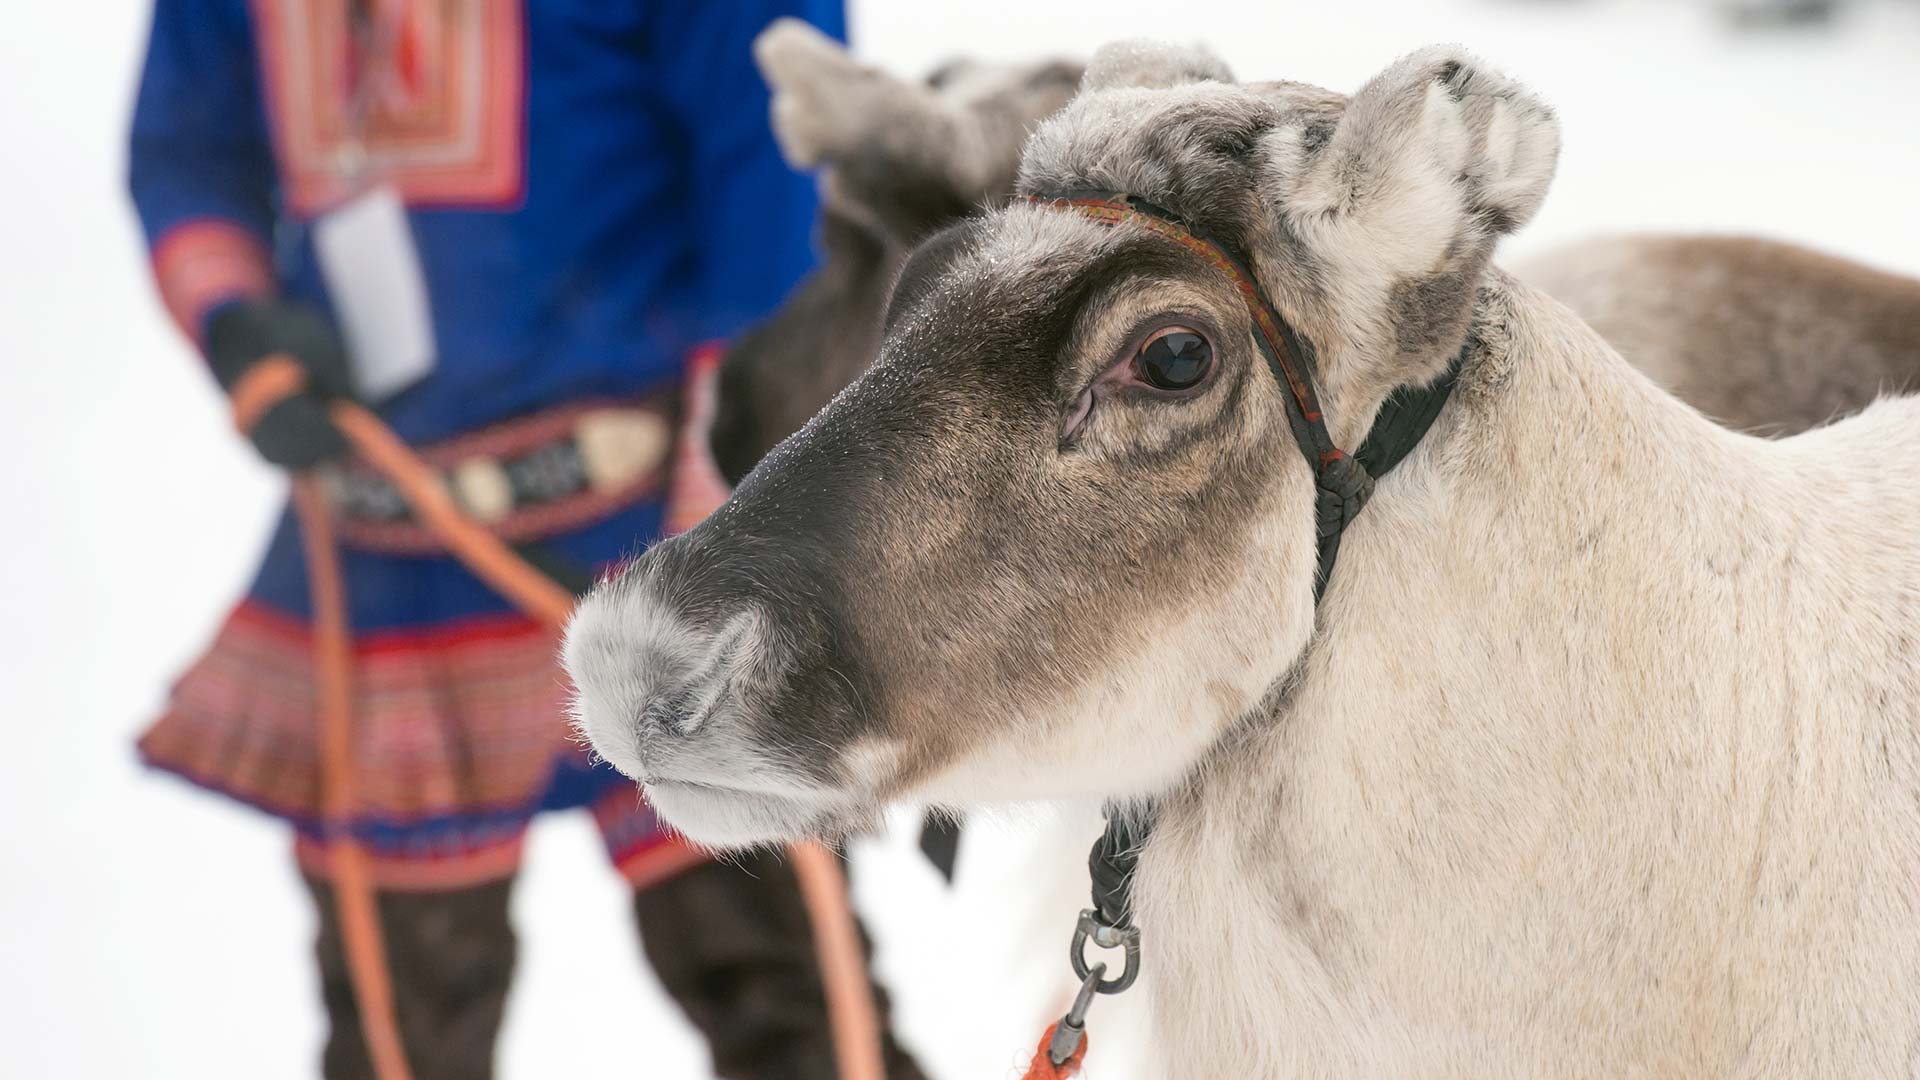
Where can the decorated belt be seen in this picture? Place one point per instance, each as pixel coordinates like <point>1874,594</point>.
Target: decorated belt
<point>526,479</point>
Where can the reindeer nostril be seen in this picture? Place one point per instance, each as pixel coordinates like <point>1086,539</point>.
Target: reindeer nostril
<point>666,714</point>
<point>688,679</point>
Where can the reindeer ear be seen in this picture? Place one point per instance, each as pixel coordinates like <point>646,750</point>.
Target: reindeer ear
<point>823,99</point>
<point>1399,197</point>
<point>1152,65</point>
<point>1440,117</point>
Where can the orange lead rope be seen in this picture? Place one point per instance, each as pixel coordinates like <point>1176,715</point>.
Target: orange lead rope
<point>354,898</point>
<point>843,970</point>
<point>850,1006</point>
<point>699,489</point>
<point>490,559</point>
<point>1043,1067</point>
<point>823,888</point>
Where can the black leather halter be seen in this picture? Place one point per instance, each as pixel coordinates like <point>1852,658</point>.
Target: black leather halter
<point>1343,483</point>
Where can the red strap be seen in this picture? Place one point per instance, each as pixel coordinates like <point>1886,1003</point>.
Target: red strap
<point>1043,1067</point>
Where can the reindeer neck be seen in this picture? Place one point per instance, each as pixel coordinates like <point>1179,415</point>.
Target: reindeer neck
<point>1543,506</point>
<point>1470,608</point>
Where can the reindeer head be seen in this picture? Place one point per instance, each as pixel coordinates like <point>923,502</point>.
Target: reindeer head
<point>1060,537</point>
<point>898,160</point>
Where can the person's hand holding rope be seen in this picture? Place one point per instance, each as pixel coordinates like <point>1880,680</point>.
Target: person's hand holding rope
<point>282,365</point>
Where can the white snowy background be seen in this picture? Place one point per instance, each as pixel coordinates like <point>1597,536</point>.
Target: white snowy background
<point>147,930</point>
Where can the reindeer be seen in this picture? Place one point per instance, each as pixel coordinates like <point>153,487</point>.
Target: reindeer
<point>1704,315</point>
<point>1596,755</point>
<point>1763,336</point>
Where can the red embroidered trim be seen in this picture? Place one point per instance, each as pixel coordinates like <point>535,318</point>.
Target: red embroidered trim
<point>436,638</point>
<point>659,860</point>
<point>639,846</point>
<point>204,262</point>
<point>446,122</point>
<point>458,720</point>
<point>697,487</point>
<point>422,873</point>
<point>644,862</point>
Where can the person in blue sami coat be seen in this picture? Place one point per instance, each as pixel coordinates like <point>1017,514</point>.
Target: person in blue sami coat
<point>506,225</point>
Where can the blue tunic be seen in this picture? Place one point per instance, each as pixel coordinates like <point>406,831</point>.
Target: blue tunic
<point>591,185</point>
<point>647,208</point>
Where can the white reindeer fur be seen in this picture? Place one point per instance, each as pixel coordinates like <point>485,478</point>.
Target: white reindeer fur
<point>1601,759</point>
<point>1598,684</point>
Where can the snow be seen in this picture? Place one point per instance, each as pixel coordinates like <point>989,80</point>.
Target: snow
<point>148,930</point>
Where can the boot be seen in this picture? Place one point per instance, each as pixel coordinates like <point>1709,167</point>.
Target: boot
<point>451,957</point>
<point>732,943</point>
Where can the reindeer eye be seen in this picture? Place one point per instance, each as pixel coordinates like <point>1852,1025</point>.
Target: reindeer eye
<point>1175,358</point>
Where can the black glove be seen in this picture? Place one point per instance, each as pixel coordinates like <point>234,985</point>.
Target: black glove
<point>295,433</point>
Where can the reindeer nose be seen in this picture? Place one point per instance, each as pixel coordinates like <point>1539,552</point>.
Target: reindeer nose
<point>651,678</point>
<point>711,666</point>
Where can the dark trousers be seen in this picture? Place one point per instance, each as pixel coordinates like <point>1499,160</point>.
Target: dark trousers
<point>731,943</point>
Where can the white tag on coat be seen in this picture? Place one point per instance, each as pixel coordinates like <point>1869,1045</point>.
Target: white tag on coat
<point>379,295</point>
